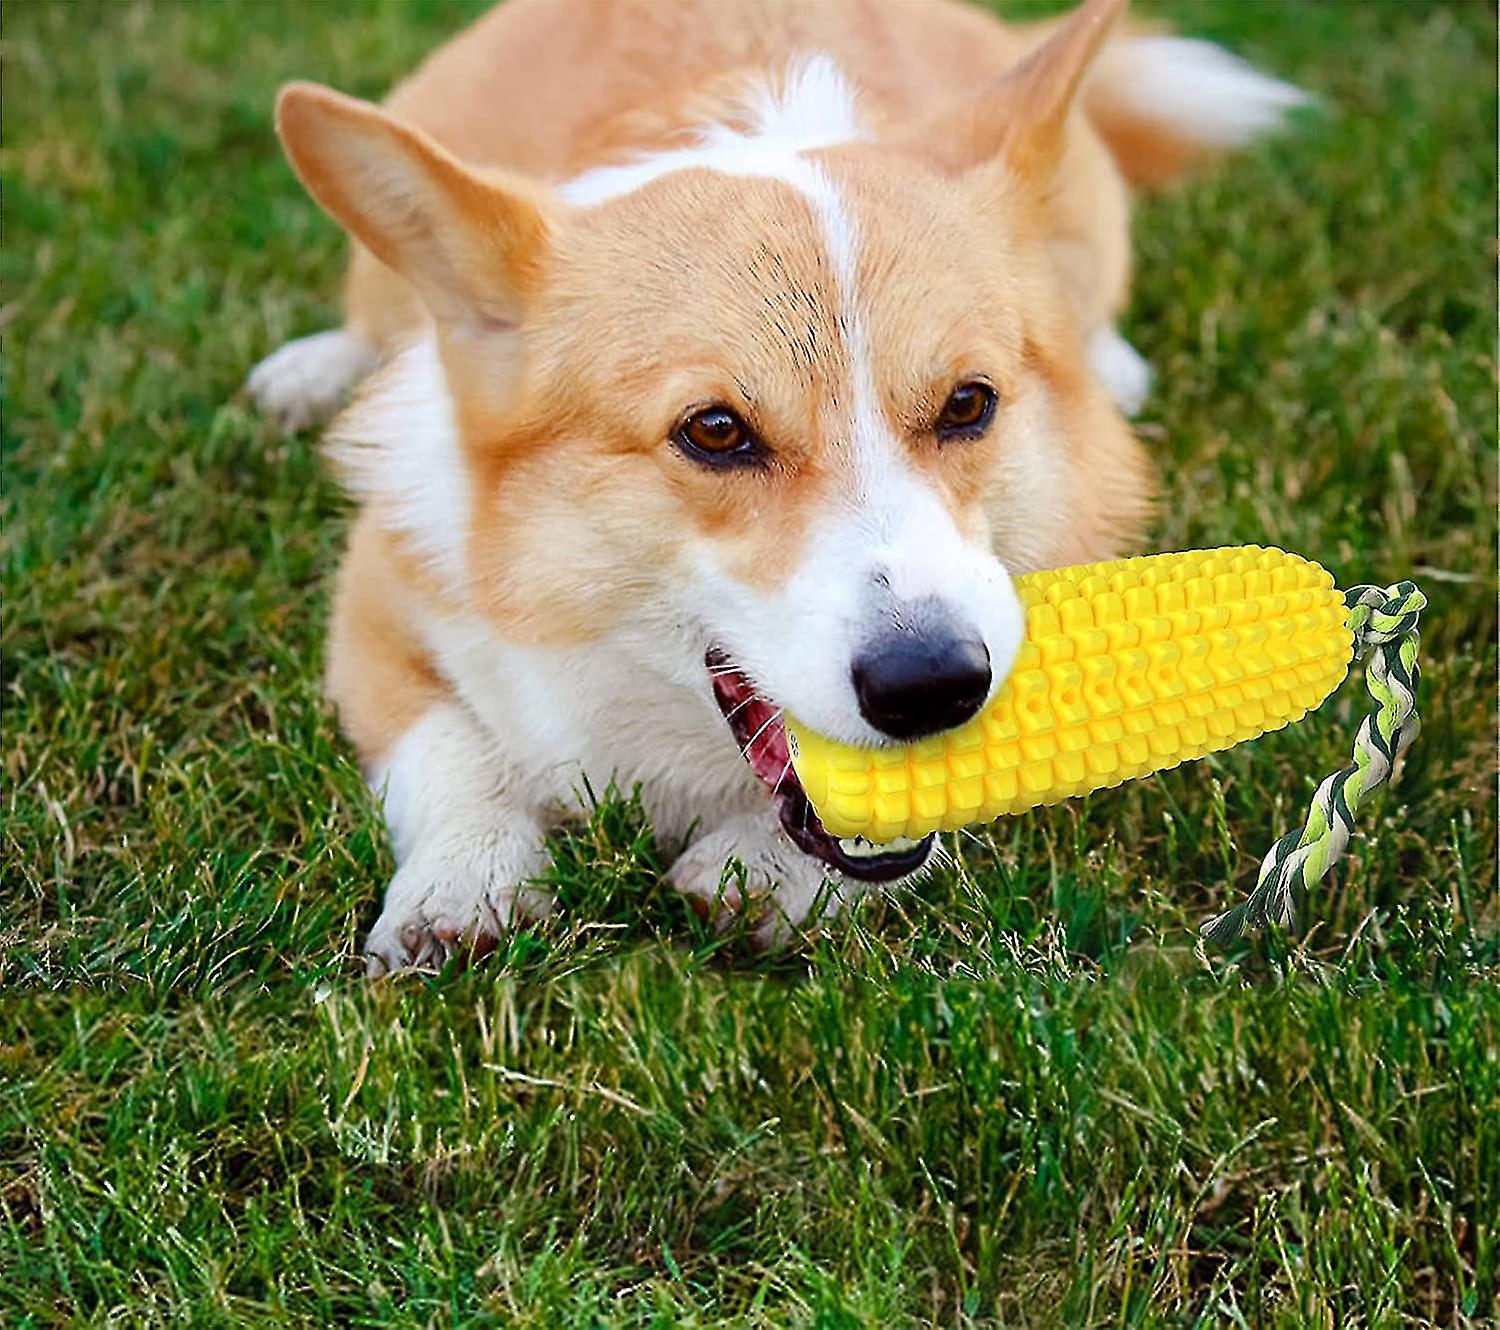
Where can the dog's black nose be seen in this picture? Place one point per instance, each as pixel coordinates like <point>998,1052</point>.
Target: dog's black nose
<point>914,683</point>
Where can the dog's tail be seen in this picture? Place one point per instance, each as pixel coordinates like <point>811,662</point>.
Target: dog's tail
<point>1165,104</point>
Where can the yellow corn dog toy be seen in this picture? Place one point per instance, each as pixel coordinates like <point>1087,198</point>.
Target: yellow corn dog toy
<point>1131,667</point>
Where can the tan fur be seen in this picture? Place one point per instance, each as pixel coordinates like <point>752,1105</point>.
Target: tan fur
<point>378,671</point>
<point>526,54</point>
<point>550,473</point>
<point>542,564</point>
<point>471,243</point>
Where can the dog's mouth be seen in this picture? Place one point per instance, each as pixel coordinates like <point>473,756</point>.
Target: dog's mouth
<point>755,722</point>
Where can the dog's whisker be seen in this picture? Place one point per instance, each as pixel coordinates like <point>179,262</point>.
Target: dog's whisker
<point>776,788</point>
<point>740,706</point>
<point>769,721</point>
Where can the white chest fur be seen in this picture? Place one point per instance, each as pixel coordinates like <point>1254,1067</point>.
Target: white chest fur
<point>631,709</point>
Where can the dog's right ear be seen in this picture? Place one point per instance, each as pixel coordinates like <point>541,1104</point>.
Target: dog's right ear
<point>473,244</point>
<point>1020,119</point>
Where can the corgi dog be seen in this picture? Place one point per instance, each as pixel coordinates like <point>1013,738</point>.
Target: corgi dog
<point>720,360</point>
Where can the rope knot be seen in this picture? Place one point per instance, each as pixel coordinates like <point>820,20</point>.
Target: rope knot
<point>1383,621</point>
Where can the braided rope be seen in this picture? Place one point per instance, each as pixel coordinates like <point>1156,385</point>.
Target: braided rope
<point>1384,622</point>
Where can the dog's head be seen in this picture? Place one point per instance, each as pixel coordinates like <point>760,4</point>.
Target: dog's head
<point>795,397</point>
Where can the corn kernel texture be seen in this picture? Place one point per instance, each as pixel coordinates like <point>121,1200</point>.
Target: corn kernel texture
<point>1128,667</point>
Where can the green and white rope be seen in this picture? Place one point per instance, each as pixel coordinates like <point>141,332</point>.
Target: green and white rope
<point>1384,622</point>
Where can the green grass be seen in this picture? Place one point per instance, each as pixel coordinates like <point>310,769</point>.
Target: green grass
<point>1016,1096</point>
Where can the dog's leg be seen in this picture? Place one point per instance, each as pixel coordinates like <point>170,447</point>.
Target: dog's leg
<point>467,846</point>
<point>781,888</point>
<point>1120,368</point>
<point>306,381</point>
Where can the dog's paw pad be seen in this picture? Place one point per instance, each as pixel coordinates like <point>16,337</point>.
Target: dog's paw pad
<point>306,381</point>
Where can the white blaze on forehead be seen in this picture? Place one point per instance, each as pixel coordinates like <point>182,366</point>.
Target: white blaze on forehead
<point>811,107</point>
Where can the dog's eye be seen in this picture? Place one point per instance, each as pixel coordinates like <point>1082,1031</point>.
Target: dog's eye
<point>967,412</point>
<point>716,435</point>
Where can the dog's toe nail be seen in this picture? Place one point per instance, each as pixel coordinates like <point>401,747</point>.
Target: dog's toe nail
<point>414,938</point>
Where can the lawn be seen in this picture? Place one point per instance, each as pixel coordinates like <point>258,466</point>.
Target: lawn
<point>1017,1095</point>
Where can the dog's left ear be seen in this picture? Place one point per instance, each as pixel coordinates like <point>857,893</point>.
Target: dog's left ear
<point>1021,119</point>
<point>473,244</point>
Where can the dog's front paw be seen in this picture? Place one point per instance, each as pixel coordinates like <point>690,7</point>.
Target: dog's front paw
<point>450,899</point>
<point>305,381</point>
<point>747,867</point>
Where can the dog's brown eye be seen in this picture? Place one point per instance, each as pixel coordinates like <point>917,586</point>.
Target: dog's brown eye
<point>716,430</point>
<point>967,412</point>
<point>716,435</point>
